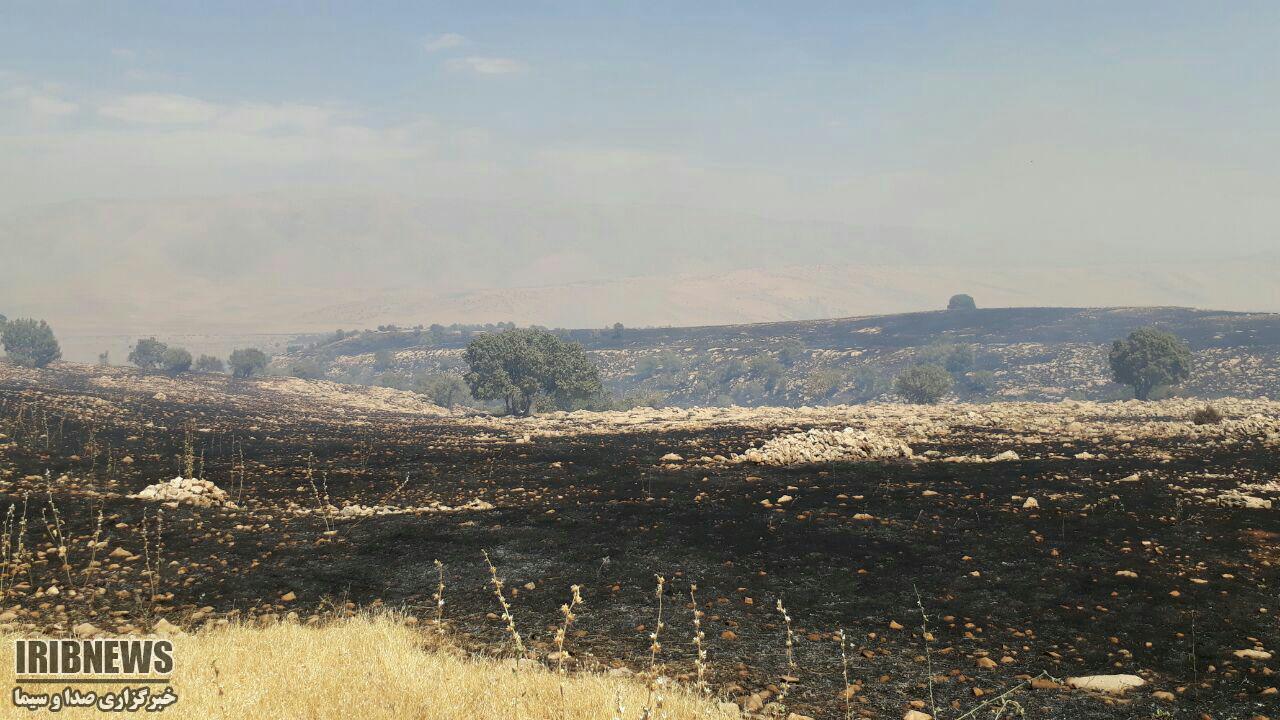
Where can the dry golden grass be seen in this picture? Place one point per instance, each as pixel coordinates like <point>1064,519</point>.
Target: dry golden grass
<point>375,667</point>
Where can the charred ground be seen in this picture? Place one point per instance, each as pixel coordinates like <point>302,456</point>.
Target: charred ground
<point>583,499</point>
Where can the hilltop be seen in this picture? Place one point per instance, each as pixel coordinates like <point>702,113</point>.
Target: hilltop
<point>996,353</point>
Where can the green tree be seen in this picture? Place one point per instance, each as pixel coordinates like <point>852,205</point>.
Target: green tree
<point>961,302</point>
<point>148,354</point>
<point>209,364</point>
<point>104,358</point>
<point>1149,359</point>
<point>618,331</point>
<point>30,343</point>
<point>247,362</point>
<point>520,367</point>
<point>923,384</point>
<point>176,360</point>
<point>444,389</point>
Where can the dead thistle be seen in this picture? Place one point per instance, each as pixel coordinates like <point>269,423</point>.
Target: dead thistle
<point>567,611</point>
<point>700,653</point>
<point>506,609</point>
<point>785,687</point>
<point>439,598</point>
<point>653,702</point>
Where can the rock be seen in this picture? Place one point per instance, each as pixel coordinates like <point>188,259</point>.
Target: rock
<point>1164,695</point>
<point>821,445</point>
<point>986,663</point>
<point>1030,504</point>
<point>119,553</point>
<point>917,715</point>
<point>85,630</point>
<point>1126,574</point>
<point>1252,654</point>
<point>1112,684</point>
<point>728,635</point>
<point>671,457</point>
<point>165,628</point>
<point>289,596</point>
<point>798,716</point>
<point>1005,456</point>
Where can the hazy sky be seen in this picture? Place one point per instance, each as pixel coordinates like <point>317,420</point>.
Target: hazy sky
<point>1130,120</point>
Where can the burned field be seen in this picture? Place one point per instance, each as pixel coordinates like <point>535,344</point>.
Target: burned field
<point>1019,545</point>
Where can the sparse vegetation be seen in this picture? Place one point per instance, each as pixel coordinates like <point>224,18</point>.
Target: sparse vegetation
<point>1207,415</point>
<point>923,384</point>
<point>1149,359</point>
<point>444,389</point>
<point>209,364</point>
<point>29,342</point>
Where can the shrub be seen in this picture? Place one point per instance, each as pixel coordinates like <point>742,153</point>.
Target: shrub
<point>961,302</point>
<point>1207,415</point>
<point>1149,359</point>
<point>520,366</point>
<point>176,360</point>
<point>307,369</point>
<point>30,343</point>
<point>209,363</point>
<point>444,389</point>
<point>982,381</point>
<point>923,384</point>
<point>961,359</point>
<point>247,362</point>
<point>148,354</point>
<point>104,358</point>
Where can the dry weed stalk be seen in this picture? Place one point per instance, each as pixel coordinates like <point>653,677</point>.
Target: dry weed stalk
<point>844,669</point>
<point>700,653</point>
<point>653,703</point>
<point>54,529</point>
<point>152,553</point>
<point>93,550</point>
<point>567,611</point>
<point>928,652</point>
<point>439,598</point>
<point>322,504</point>
<point>785,688</point>
<point>506,609</point>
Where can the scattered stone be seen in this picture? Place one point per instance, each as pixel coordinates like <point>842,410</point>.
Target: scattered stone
<point>1110,684</point>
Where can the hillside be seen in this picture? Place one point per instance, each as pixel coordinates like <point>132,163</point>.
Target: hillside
<point>999,353</point>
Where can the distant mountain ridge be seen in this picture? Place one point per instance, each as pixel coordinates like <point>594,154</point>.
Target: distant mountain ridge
<point>281,263</point>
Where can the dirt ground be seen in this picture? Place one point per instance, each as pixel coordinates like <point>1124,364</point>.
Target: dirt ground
<point>1137,555</point>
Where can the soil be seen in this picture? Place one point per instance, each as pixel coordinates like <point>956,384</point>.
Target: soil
<point>890,551</point>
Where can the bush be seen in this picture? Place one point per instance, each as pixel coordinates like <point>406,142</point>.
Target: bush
<point>961,359</point>
<point>961,302</point>
<point>247,362</point>
<point>923,384</point>
<point>1207,415</point>
<point>29,343</point>
<point>148,354</point>
<point>982,381</point>
<point>176,361</point>
<point>209,363</point>
<point>1149,359</point>
<point>520,366</point>
<point>307,369</point>
<point>444,389</point>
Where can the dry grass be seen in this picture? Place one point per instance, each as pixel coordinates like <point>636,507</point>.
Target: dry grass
<point>376,667</point>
